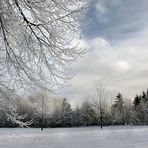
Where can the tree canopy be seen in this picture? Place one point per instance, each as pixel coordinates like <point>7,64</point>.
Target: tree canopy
<point>36,46</point>
<point>36,42</point>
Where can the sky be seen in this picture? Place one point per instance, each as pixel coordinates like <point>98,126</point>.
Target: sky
<point>115,35</point>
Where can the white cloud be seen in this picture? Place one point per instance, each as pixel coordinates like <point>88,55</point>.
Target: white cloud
<point>99,42</point>
<point>100,7</point>
<point>121,66</point>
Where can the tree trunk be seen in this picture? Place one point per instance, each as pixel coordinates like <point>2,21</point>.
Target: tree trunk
<point>42,123</point>
<point>101,120</point>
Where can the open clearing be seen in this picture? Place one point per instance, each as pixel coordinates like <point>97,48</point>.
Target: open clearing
<point>89,137</point>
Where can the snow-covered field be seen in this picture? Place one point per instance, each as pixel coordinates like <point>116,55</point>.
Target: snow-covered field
<point>90,137</point>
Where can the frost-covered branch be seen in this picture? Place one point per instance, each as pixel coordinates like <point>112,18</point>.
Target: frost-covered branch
<point>9,107</point>
<point>36,41</point>
<point>36,45</point>
<point>13,116</point>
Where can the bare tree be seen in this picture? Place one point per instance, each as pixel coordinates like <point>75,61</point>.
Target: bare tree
<point>36,46</point>
<point>43,105</point>
<point>99,104</point>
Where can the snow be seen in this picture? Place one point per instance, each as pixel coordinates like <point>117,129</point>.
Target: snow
<point>88,137</point>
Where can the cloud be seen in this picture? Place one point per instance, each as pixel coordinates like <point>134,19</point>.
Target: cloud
<point>100,43</point>
<point>100,8</point>
<point>115,19</point>
<point>121,66</point>
<point>117,50</point>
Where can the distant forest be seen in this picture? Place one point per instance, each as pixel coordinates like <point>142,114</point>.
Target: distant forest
<point>44,111</point>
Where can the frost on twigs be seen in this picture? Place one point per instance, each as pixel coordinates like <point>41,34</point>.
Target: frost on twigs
<point>9,107</point>
<point>36,42</point>
<point>13,116</point>
<point>36,46</point>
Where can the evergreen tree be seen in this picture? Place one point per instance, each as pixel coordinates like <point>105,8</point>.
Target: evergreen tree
<point>119,109</point>
<point>66,113</point>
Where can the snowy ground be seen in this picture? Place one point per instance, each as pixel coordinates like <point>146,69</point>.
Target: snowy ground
<point>91,137</point>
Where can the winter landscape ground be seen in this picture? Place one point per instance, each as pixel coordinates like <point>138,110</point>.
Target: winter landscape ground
<point>89,137</point>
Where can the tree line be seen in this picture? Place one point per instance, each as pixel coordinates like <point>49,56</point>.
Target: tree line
<point>43,111</point>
